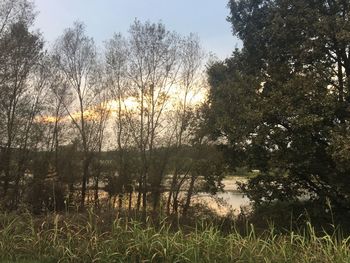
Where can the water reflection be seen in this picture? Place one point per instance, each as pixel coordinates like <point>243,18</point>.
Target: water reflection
<point>234,199</point>
<point>231,200</point>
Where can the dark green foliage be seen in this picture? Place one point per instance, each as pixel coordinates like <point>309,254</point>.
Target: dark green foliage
<point>209,164</point>
<point>283,101</point>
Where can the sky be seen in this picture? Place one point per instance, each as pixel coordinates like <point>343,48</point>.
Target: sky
<point>103,18</point>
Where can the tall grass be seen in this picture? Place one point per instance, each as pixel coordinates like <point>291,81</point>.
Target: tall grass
<point>57,238</point>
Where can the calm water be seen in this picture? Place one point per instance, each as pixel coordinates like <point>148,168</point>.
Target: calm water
<point>229,200</point>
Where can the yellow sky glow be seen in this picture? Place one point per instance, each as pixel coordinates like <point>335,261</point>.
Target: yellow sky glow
<point>176,96</point>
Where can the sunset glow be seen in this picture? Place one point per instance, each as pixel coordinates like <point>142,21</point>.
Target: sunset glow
<point>176,97</point>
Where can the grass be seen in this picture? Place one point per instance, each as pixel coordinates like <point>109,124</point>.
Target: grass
<point>92,238</point>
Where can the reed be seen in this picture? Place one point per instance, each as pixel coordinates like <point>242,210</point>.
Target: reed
<point>58,238</point>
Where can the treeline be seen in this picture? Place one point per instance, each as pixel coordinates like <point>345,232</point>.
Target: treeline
<point>62,108</point>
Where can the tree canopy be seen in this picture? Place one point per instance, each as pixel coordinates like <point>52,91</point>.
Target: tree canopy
<point>281,103</point>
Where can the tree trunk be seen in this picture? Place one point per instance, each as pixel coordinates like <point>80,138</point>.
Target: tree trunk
<point>138,204</point>
<point>96,196</point>
<point>171,191</point>
<point>144,198</point>
<point>7,161</point>
<point>189,195</point>
<point>84,183</point>
<point>120,202</point>
<point>130,202</point>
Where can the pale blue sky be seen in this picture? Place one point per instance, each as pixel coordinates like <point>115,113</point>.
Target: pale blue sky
<point>102,18</point>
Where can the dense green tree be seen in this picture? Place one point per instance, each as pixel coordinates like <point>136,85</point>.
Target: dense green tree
<point>282,101</point>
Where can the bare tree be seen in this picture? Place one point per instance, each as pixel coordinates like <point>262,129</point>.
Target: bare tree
<point>190,86</point>
<point>99,122</point>
<point>149,69</point>
<point>55,125</point>
<point>153,67</point>
<point>75,55</point>
<point>119,86</point>
<point>14,11</point>
<point>30,132</point>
